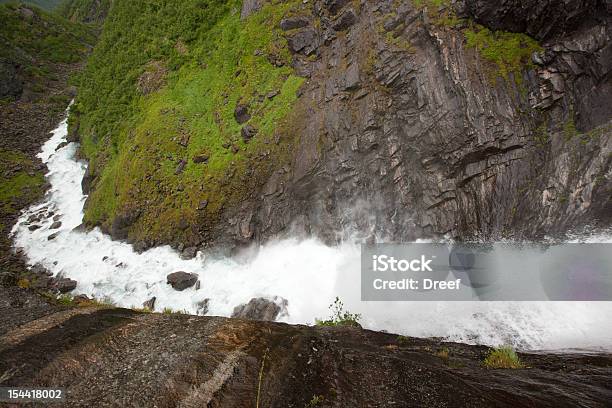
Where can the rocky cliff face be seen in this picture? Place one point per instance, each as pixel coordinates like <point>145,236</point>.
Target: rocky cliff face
<point>428,119</point>
<point>412,131</point>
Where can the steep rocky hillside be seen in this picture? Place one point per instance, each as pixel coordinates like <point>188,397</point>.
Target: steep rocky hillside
<point>48,5</point>
<point>85,11</point>
<point>38,52</point>
<point>118,357</point>
<point>226,123</point>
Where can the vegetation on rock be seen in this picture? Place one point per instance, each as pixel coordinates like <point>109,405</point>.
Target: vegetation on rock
<point>159,92</point>
<point>339,316</point>
<point>35,42</point>
<point>503,357</point>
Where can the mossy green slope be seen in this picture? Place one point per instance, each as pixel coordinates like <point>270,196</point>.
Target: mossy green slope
<point>87,11</point>
<point>49,5</point>
<point>160,88</point>
<point>37,42</point>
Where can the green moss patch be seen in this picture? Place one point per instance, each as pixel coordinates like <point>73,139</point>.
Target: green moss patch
<point>510,52</point>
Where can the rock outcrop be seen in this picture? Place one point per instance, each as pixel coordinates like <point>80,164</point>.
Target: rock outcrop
<point>261,309</point>
<point>466,119</point>
<point>411,128</point>
<point>180,360</point>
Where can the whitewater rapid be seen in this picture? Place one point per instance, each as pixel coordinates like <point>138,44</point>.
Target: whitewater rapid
<point>307,273</point>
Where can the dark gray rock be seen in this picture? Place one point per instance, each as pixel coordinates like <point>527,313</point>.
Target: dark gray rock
<point>260,309</point>
<point>200,158</point>
<point>346,19</point>
<point>305,41</point>
<point>64,285</point>
<point>52,236</point>
<point>291,23</point>
<point>335,5</point>
<point>352,79</point>
<point>189,253</point>
<point>249,7</point>
<point>33,227</point>
<point>202,307</point>
<point>272,94</point>
<point>241,113</point>
<point>150,304</point>
<point>248,132</point>
<point>181,280</point>
<point>56,225</point>
<point>180,167</point>
<point>61,146</point>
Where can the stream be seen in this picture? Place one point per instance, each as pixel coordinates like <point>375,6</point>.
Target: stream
<point>307,273</point>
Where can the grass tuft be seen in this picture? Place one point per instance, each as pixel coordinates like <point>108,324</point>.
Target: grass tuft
<point>503,357</point>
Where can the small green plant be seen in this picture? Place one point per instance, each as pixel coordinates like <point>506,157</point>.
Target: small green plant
<point>402,340</point>
<point>503,357</point>
<point>168,310</point>
<point>443,354</point>
<point>314,402</point>
<point>23,283</point>
<point>340,317</point>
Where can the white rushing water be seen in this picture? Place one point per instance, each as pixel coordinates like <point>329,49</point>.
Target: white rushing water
<point>306,273</point>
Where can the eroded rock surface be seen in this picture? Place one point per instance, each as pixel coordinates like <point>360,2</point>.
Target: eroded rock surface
<point>408,131</point>
<point>118,357</point>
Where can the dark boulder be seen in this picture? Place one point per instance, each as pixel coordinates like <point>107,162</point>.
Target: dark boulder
<point>249,7</point>
<point>189,253</point>
<point>180,167</point>
<point>241,113</point>
<point>272,94</point>
<point>56,225</point>
<point>53,236</point>
<point>181,280</point>
<point>305,41</point>
<point>291,23</point>
<point>248,132</point>
<point>150,304</point>
<point>260,309</point>
<point>335,5</point>
<point>200,158</point>
<point>346,19</point>
<point>202,307</point>
<point>64,285</point>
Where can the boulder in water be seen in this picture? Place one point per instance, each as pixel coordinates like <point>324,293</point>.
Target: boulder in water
<point>261,309</point>
<point>202,307</point>
<point>150,304</point>
<point>181,280</point>
<point>65,285</point>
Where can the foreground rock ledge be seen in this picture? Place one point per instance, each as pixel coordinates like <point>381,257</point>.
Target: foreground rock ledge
<point>181,360</point>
